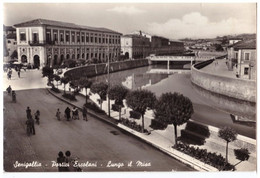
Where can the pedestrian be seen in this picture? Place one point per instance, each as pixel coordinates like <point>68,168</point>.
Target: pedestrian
<point>9,89</point>
<point>69,160</point>
<point>28,112</point>
<point>37,117</point>
<point>61,160</point>
<point>10,74</point>
<point>84,113</point>
<point>30,124</point>
<point>13,96</point>
<point>67,113</point>
<point>28,127</point>
<point>73,113</point>
<point>58,114</point>
<point>77,114</point>
<point>18,72</point>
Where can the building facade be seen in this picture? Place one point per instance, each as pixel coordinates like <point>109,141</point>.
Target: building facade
<point>10,44</point>
<point>135,46</point>
<point>44,42</point>
<point>163,46</point>
<point>242,55</point>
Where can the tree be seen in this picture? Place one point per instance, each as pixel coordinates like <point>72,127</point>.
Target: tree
<point>56,78</point>
<point>241,154</point>
<point>228,134</point>
<point>218,47</point>
<point>118,93</point>
<point>64,80</point>
<point>14,55</point>
<point>75,85</point>
<point>101,89</point>
<point>48,72</point>
<point>139,101</point>
<point>84,82</point>
<point>173,108</point>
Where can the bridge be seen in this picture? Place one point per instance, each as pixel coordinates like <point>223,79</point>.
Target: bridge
<point>168,59</point>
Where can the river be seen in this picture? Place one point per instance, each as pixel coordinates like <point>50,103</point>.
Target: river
<point>209,108</point>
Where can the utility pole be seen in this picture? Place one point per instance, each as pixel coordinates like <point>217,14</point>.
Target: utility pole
<point>108,78</point>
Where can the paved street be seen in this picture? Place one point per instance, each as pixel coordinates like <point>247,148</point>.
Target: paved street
<point>92,141</point>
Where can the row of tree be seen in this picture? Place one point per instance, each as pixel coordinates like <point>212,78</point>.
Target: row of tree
<point>169,108</point>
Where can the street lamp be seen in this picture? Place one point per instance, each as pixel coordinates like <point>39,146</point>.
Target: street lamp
<point>108,78</point>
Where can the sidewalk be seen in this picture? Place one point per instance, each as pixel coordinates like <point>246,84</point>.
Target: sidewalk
<point>158,139</point>
<point>219,67</point>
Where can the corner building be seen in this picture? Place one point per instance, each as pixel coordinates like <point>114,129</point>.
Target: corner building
<point>44,42</point>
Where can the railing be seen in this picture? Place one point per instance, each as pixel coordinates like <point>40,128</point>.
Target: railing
<point>41,43</point>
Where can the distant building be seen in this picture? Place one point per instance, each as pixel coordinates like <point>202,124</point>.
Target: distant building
<point>232,41</point>
<point>46,42</point>
<point>10,44</point>
<point>242,59</point>
<point>135,46</point>
<point>163,46</point>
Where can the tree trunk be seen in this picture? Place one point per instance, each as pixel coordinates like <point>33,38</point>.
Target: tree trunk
<point>119,112</point>
<point>86,95</point>
<point>101,103</point>
<point>175,133</point>
<point>64,88</point>
<point>227,153</point>
<point>142,123</point>
<point>237,163</point>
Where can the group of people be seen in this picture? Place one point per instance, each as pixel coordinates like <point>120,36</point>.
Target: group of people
<point>30,121</point>
<point>69,162</point>
<point>74,112</point>
<point>10,91</point>
<point>9,72</point>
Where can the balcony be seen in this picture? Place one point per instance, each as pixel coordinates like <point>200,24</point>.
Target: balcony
<point>41,43</point>
<point>37,43</point>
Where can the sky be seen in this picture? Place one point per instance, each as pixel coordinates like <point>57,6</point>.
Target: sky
<point>171,20</point>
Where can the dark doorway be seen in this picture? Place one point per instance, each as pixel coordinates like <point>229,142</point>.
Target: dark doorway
<point>36,61</point>
<point>55,61</point>
<point>24,59</point>
<point>61,59</point>
<point>127,55</point>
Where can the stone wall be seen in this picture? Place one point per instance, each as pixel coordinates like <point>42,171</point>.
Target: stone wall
<point>99,69</point>
<point>231,87</point>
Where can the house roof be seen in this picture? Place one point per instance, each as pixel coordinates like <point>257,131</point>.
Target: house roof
<point>134,36</point>
<point>247,44</point>
<point>9,28</point>
<point>45,22</point>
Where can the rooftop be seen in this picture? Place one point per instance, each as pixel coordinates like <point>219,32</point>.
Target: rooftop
<point>45,22</point>
<point>247,44</point>
<point>9,28</point>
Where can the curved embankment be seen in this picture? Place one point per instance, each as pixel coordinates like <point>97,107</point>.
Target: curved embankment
<point>235,88</point>
<point>99,69</point>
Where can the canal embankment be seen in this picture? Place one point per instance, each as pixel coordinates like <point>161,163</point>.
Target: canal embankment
<point>99,69</point>
<point>216,82</point>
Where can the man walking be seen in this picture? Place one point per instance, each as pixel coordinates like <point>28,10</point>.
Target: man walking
<point>67,113</point>
<point>28,112</point>
<point>84,113</point>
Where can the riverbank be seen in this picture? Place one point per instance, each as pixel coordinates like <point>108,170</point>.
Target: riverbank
<point>99,69</point>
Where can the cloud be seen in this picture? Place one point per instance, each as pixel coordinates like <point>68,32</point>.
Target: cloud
<point>127,10</point>
<point>195,25</point>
